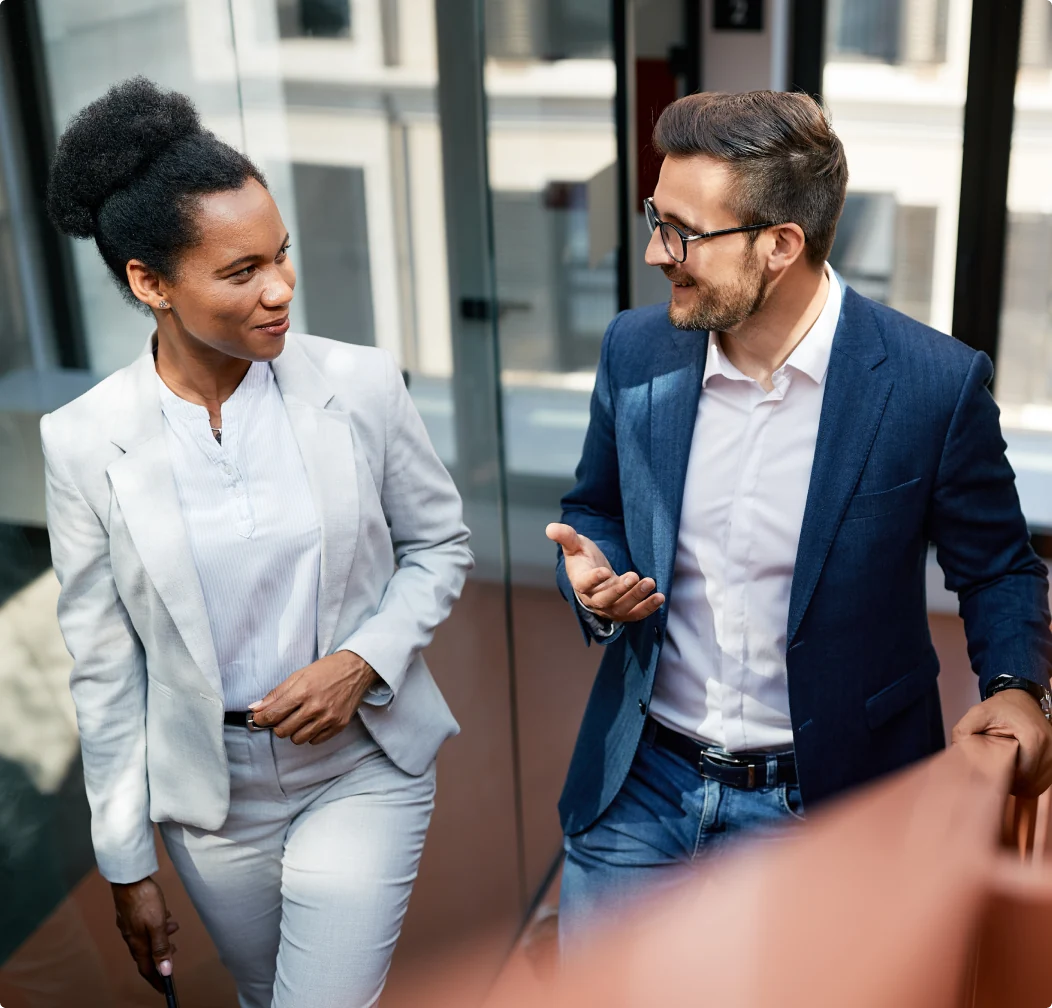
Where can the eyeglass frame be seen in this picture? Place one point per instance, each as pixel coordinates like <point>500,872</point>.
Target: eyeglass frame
<point>651,216</point>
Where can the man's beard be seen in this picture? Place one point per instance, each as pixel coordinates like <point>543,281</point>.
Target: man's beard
<point>719,309</point>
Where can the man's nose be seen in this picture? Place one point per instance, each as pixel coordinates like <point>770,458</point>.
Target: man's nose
<point>656,254</point>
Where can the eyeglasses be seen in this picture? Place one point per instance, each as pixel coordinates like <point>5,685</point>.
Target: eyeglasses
<point>675,241</point>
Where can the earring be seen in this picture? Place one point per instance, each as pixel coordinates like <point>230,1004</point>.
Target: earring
<point>162,304</point>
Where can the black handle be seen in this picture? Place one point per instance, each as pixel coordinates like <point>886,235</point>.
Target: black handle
<point>170,1000</point>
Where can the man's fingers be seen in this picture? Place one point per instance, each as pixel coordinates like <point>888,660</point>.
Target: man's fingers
<point>625,596</point>
<point>591,580</point>
<point>607,595</point>
<point>565,536</point>
<point>975,721</point>
<point>1014,714</point>
<point>644,608</point>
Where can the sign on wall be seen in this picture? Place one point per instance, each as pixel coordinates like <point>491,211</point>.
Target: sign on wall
<point>738,15</point>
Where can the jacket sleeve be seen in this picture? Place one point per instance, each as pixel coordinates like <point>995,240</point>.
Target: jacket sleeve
<point>108,681</point>
<point>983,544</point>
<point>593,507</point>
<point>430,541</point>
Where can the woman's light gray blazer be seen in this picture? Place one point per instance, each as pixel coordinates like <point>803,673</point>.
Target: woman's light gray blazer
<point>145,678</point>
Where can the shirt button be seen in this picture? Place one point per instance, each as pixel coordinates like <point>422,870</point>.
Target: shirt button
<point>227,469</point>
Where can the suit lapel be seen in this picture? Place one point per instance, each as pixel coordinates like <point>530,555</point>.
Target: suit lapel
<point>327,448</point>
<point>144,486</point>
<point>855,396</point>
<point>674,391</point>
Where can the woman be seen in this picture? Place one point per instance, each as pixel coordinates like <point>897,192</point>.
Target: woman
<point>254,540</point>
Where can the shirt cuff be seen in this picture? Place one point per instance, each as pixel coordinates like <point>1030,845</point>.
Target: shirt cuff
<point>378,694</point>
<point>600,627</point>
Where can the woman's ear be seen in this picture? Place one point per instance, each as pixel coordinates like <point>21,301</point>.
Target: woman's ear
<point>146,285</point>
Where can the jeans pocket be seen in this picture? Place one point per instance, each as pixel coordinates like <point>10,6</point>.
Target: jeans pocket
<point>789,799</point>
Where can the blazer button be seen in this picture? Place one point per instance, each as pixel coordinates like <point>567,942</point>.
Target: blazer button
<point>642,707</point>
<point>657,634</point>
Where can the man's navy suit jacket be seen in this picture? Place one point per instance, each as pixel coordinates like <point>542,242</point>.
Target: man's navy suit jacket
<point>909,452</point>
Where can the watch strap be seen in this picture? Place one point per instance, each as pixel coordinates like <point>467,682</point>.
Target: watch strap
<point>1004,682</point>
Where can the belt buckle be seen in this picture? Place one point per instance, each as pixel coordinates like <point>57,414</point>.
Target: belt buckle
<point>251,725</point>
<point>730,760</point>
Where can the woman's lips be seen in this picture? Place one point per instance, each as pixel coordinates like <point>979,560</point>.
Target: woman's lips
<point>276,328</point>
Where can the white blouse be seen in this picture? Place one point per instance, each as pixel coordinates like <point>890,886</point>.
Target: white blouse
<point>253,531</point>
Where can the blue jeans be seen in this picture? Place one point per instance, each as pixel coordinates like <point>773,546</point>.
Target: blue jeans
<point>665,816</point>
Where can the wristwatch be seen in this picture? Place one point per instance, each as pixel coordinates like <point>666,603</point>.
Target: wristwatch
<point>1036,690</point>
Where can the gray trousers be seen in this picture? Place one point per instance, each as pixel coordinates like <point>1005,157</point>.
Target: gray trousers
<point>304,888</point>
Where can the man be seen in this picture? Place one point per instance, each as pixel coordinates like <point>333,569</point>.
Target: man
<point>768,458</point>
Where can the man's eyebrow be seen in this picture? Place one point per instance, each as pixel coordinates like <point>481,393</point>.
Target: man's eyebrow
<point>676,219</point>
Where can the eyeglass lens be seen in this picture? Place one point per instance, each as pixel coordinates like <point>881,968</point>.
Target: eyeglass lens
<point>673,241</point>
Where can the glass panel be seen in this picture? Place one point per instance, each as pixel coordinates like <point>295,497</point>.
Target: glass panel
<point>550,82</point>
<point>50,951</point>
<point>337,100</point>
<point>1024,355</point>
<point>182,45</point>
<point>356,116</point>
<point>894,83</point>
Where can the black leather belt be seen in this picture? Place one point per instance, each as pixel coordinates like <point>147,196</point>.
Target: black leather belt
<point>242,719</point>
<point>744,771</point>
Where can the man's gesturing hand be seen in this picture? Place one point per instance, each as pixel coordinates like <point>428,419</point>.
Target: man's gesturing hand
<point>316,703</point>
<point>1013,713</point>
<point>623,598</point>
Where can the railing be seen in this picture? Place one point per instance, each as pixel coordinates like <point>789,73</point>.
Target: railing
<point>929,889</point>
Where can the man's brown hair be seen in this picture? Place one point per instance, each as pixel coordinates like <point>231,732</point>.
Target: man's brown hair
<point>787,164</point>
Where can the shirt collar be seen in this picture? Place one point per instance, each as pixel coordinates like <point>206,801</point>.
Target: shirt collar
<point>257,378</point>
<point>811,355</point>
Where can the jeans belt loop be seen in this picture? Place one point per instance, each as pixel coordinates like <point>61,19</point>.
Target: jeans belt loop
<point>772,771</point>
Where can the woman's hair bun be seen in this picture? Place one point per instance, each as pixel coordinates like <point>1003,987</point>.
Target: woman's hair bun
<point>110,143</point>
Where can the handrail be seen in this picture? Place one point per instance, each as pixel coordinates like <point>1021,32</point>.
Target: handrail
<point>928,889</point>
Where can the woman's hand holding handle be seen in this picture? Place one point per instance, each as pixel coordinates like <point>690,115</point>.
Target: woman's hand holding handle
<point>146,925</point>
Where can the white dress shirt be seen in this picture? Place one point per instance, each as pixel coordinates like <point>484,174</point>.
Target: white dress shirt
<point>721,678</point>
<point>253,531</point>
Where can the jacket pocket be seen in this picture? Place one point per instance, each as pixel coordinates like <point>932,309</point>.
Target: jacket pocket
<point>902,693</point>
<point>160,687</point>
<point>873,505</point>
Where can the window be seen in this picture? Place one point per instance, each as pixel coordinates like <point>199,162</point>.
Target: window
<point>548,30</point>
<point>898,107</point>
<point>888,31</point>
<point>317,18</point>
<point>885,251</point>
<point>1024,353</point>
<point>334,265</point>
<point>1035,43</point>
